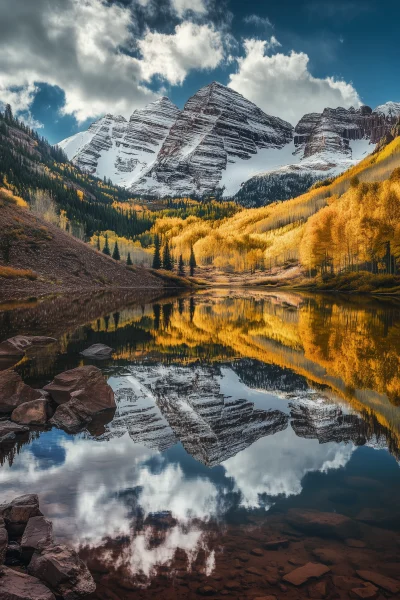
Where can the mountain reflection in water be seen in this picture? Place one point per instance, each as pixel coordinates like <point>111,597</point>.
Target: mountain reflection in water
<point>231,410</point>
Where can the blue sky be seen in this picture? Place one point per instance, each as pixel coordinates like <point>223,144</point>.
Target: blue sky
<point>67,62</point>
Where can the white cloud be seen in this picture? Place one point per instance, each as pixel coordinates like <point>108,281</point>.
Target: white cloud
<point>257,21</point>
<point>183,6</point>
<point>171,57</point>
<point>281,84</point>
<point>86,48</point>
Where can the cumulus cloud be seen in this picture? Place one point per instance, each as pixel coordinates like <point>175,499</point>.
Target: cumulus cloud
<point>171,57</point>
<point>88,49</point>
<point>282,85</point>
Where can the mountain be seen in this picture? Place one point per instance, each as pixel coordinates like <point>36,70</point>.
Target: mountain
<point>123,150</point>
<point>326,144</point>
<point>223,144</point>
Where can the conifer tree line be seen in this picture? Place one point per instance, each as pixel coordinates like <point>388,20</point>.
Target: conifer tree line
<point>163,258</point>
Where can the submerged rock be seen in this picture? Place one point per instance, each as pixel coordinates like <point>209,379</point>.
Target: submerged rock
<point>97,352</point>
<point>63,571</point>
<point>19,586</point>
<point>323,524</point>
<point>31,413</point>
<point>17,513</point>
<point>305,573</point>
<point>82,394</point>
<point>17,346</point>
<point>13,392</point>
<point>386,583</point>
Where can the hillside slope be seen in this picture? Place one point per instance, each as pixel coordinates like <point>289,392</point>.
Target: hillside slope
<point>37,258</point>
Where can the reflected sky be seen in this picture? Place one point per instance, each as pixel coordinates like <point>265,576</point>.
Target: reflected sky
<point>206,436</point>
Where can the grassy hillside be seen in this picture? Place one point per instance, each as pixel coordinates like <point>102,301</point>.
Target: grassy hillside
<point>37,258</point>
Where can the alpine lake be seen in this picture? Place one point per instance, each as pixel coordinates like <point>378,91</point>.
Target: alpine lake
<point>255,432</point>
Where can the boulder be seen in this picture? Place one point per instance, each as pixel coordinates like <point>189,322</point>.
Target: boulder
<point>17,513</point>
<point>19,586</point>
<point>97,352</point>
<point>329,556</point>
<point>323,524</point>
<point>276,544</point>
<point>31,413</point>
<point>14,392</point>
<point>3,541</point>
<point>305,573</point>
<point>38,535</point>
<point>17,346</point>
<point>387,583</point>
<point>82,394</point>
<point>63,571</point>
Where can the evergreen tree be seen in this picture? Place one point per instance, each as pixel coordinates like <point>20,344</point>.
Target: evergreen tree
<point>181,266</point>
<point>115,253</point>
<point>192,262</point>
<point>129,260</point>
<point>167,260</point>
<point>8,114</point>
<point>98,242</point>
<point>106,249</point>
<point>157,253</point>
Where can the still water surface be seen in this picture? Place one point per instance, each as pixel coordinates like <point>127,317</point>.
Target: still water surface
<point>234,409</point>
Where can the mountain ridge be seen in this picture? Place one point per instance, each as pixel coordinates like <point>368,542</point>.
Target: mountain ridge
<point>221,143</point>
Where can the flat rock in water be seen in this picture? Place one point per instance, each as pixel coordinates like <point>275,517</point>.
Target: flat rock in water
<point>61,569</point>
<point>355,543</point>
<point>14,392</point>
<point>38,535</point>
<point>7,427</point>
<point>323,524</point>
<point>19,586</point>
<point>17,346</point>
<point>97,351</point>
<point>369,591</point>
<point>31,413</point>
<point>17,513</point>
<point>387,583</point>
<point>305,573</point>
<point>328,556</point>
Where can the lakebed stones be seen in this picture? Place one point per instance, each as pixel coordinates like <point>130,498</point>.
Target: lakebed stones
<point>97,352</point>
<point>386,583</point>
<point>81,394</point>
<point>13,392</point>
<point>303,574</point>
<point>323,524</point>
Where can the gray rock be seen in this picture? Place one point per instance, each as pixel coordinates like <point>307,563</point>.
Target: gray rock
<point>19,586</point>
<point>3,542</point>
<point>63,571</point>
<point>97,352</point>
<point>7,427</point>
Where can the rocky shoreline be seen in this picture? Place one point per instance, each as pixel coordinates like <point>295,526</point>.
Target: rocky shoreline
<point>32,565</point>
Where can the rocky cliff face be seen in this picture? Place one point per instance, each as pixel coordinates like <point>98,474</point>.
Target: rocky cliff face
<point>222,143</point>
<point>217,129</point>
<point>123,150</point>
